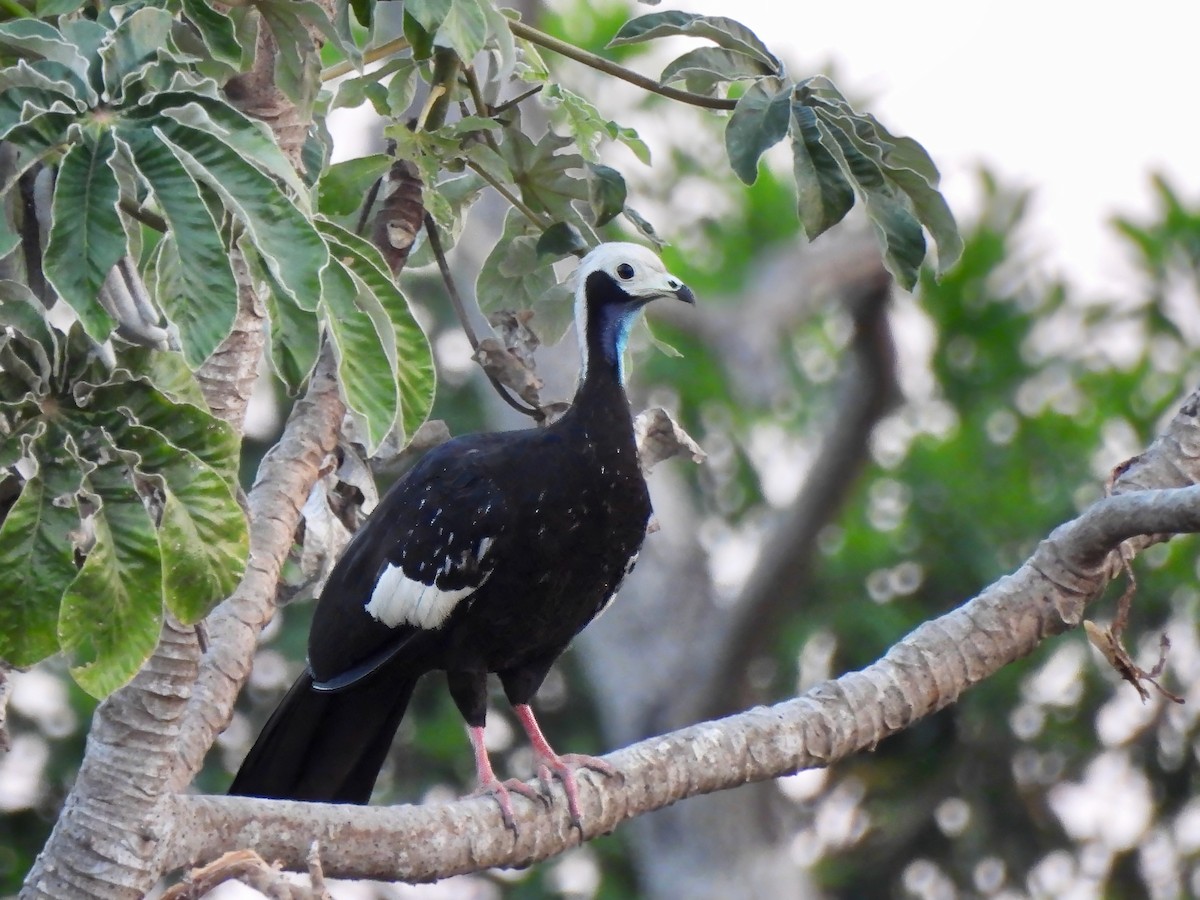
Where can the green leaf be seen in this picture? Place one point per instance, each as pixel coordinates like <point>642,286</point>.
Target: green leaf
<point>86,237</point>
<point>134,399</point>
<point>195,287</point>
<point>543,173</point>
<point>32,37</point>
<point>722,31</point>
<point>25,313</point>
<point>704,68</point>
<point>133,44</point>
<point>112,611</point>
<point>40,135</point>
<point>908,166</point>
<point>418,37</point>
<point>588,126</point>
<point>759,121</point>
<point>87,37</point>
<point>37,562</point>
<point>823,195</point>
<point>606,193</point>
<point>344,186</point>
<point>559,240</point>
<point>464,29</point>
<point>202,532</point>
<point>315,15</point>
<point>167,371</point>
<point>20,370</point>
<point>505,284</point>
<point>643,226</point>
<point>500,41</point>
<point>43,81</point>
<point>898,229</point>
<point>46,8</point>
<point>365,361</point>
<point>414,371</point>
<point>246,137</point>
<point>362,11</point>
<point>295,332</point>
<point>428,13</point>
<point>283,235</point>
<point>403,87</point>
<point>216,30</point>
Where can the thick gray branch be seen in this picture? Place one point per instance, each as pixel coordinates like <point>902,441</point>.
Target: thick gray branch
<point>927,670</point>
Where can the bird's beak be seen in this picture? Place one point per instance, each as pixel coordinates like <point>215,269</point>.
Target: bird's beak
<point>670,286</point>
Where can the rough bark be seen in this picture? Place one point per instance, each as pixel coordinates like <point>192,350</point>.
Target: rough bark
<point>118,823</point>
<point>227,378</point>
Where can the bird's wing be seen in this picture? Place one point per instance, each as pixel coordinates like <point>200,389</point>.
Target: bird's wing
<point>428,546</point>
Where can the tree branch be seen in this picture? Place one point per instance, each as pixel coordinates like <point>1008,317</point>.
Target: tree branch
<point>608,67</point>
<point>921,674</point>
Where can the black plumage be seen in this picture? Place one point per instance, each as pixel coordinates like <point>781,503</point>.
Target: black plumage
<point>489,556</point>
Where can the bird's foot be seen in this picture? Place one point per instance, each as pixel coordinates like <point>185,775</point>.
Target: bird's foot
<point>551,766</point>
<point>501,792</point>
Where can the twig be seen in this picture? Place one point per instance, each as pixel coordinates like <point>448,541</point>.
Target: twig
<point>509,104</point>
<point>143,215</point>
<point>369,56</point>
<point>508,195</point>
<point>5,693</point>
<point>316,873</point>
<point>245,866</point>
<point>481,105</point>
<point>608,67</point>
<point>368,205</point>
<point>460,310</point>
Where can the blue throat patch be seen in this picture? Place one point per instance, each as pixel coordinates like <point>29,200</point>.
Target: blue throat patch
<point>615,324</point>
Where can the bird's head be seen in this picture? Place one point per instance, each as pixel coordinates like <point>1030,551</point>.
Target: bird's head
<point>613,282</point>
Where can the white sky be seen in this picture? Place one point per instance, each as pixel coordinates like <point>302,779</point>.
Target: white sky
<point>1078,100</point>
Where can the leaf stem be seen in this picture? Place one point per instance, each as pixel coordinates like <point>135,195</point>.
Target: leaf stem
<point>481,106</point>
<point>143,215</point>
<point>346,66</point>
<point>435,244</point>
<point>15,9</point>
<point>507,194</point>
<point>608,67</point>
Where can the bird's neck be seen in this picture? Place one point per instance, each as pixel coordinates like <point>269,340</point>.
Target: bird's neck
<point>601,391</point>
<point>600,412</point>
<point>603,316</point>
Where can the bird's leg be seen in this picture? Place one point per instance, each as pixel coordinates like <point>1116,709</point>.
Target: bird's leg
<point>491,786</point>
<point>550,765</point>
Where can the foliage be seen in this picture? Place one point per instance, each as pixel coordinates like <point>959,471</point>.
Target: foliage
<point>129,106</point>
<point>138,191</point>
<point>124,469</point>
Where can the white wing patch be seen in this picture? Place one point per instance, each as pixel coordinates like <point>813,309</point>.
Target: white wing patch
<point>400,600</point>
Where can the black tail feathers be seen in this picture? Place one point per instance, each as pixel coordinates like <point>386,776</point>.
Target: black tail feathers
<point>325,746</point>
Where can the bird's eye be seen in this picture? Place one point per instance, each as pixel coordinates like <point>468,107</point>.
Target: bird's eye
<point>625,271</point>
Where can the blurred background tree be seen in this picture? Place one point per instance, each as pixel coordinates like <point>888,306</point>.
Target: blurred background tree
<point>949,430</point>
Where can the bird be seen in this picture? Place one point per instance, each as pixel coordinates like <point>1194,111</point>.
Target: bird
<point>487,557</point>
